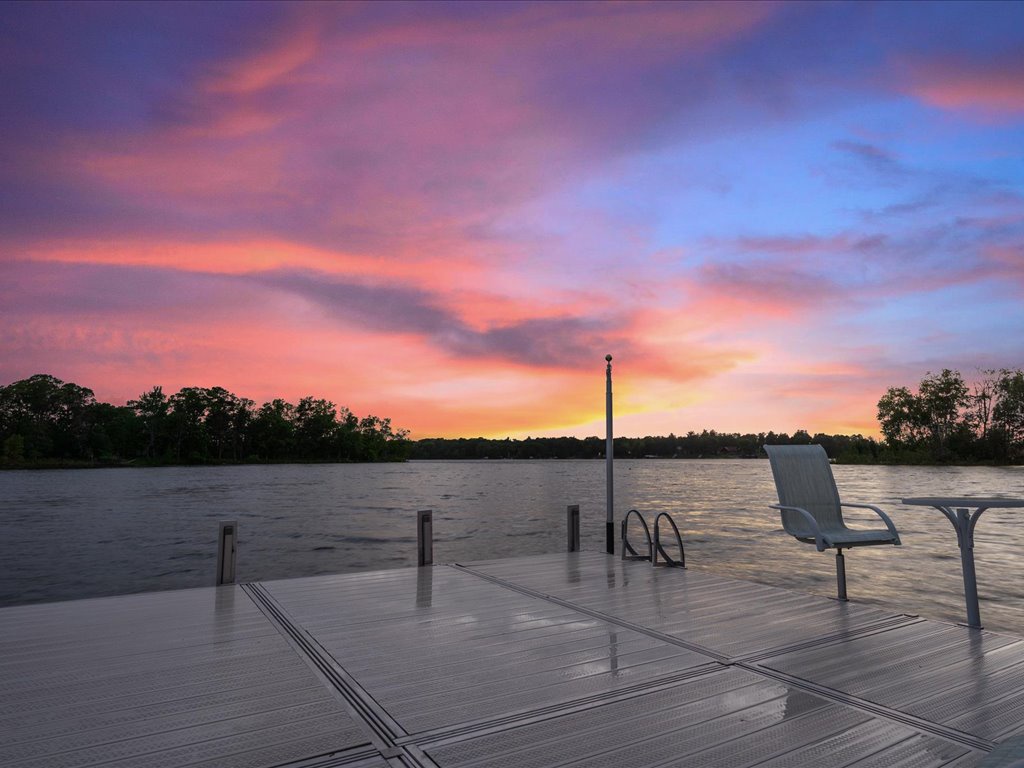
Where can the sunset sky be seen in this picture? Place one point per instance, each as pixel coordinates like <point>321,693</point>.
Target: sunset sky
<point>448,213</point>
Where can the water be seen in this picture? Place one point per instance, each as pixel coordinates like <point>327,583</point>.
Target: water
<point>82,533</point>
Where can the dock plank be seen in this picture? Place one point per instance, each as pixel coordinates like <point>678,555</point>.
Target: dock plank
<point>172,678</point>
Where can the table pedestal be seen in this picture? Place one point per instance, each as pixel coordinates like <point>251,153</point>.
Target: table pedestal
<point>957,510</point>
<point>964,522</point>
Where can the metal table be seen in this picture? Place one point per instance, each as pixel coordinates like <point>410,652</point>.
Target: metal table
<point>958,510</point>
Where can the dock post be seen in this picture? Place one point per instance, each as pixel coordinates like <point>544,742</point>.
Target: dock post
<point>425,537</point>
<point>227,538</point>
<point>572,521</point>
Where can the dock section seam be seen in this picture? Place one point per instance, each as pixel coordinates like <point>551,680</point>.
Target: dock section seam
<point>902,620</point>
<point>475,729</point>
<point>383,729</point>
<point>719,657</point>
<point>357,757</point>
<point>967,739</point>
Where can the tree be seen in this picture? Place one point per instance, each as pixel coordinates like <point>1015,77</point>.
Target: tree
<point>116,433</point>
<point>943,397</point>
<point>226,419</point>
<point>983,396</point>
<point>380,442</point>
<point>800,437</point>
<point>347,439</point>
<point>13,451</point>
<point>187,418</point>
<point>152,409</point>
<point>272,432</point>
<point>899,418</point>
<point>316,422</point>
<point>50,416</point>
<point>1008,412</point>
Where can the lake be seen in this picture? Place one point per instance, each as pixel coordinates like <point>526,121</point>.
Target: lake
<point>68,534</point>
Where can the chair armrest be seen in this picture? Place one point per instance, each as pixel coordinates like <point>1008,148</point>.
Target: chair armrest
<point>881,514</point>
<point>819,539</point>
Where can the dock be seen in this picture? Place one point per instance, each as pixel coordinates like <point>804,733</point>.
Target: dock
<point>569,659</point>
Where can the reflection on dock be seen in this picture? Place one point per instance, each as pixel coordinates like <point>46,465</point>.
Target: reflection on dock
<point>571,659</point>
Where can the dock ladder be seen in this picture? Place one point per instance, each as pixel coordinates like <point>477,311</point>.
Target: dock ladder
<point>656,553</point>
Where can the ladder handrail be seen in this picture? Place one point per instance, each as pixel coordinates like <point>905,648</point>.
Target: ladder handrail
<point>658,549</point>
<point>627,547</point>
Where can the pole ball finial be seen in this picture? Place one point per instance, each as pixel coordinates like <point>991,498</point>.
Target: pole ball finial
<point>608,358</point>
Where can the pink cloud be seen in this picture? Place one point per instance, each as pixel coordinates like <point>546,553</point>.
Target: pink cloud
<point>767,288</point>
<point>993,87</point>
<point>1006,264</point>
<point>413,132</point>
<point>785,273</point>
<point>269,66</point>
<point>244,255</point>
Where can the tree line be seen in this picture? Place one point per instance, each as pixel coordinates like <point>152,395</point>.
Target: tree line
<point>692,445</point>
<point>44,420</point>
<point>948,421</point>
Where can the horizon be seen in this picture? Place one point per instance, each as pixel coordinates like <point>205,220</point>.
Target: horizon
<point>446,214</point>
<point>341,407</point>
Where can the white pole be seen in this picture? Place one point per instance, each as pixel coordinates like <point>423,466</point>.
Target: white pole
<point>609,457</point>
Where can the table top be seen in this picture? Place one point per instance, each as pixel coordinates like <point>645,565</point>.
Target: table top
<point>963,501</point>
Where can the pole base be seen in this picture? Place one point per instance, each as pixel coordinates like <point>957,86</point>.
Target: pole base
<point>840,575</point>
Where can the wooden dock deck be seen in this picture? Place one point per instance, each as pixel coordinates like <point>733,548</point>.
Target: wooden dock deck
<point>553,660</point>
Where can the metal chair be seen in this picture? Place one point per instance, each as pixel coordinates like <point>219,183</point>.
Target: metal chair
<point>811,509</point>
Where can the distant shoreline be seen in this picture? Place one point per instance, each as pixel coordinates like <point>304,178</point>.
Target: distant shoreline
<point>64,465</point>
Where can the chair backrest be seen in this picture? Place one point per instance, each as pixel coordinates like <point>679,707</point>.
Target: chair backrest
<point>803,478</point>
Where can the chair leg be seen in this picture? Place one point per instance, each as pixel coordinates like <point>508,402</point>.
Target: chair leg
<point>841,574</point>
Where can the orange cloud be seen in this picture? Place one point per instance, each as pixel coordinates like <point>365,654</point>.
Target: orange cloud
<point>246,256</point>
<point>399,376</point>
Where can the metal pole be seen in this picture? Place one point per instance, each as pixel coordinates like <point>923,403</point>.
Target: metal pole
<point>227,537</point>
<point>609,457</point>
<point>572,515</point>
<point>424,537</point>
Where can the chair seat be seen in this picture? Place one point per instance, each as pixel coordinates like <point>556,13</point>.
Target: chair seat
<point>849,537</point>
